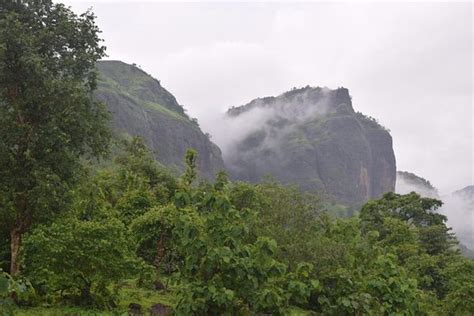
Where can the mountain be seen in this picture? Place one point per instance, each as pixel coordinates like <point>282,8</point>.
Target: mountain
<point>460,211</point>
<point>312,137</point>
<point>466,194</point>
<point>140,106</point>
<point>409,182</point>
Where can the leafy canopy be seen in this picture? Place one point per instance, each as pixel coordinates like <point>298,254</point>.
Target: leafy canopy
<point>48,118</point>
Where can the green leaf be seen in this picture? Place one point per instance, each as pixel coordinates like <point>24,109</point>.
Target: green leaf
<point>4,285</point>
<point>346,302</point>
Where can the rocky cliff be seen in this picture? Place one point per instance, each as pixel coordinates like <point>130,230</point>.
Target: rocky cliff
<point>312,137</point>
<point>140,106</point>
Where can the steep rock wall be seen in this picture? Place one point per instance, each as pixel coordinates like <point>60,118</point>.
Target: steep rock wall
<point>140,106</point>
<point>312,137</point>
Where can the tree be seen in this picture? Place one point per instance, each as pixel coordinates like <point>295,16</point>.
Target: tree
<point>460,283</point>
<point>419,212</point>
<point>79,259</point>
<point>408,226</point>
<point>190,174</point>
<point>48,119</point>
<point>152,231</point>
<point>207,241</point>
<point>289,217</point>
<point>132,173</point>
<point>21,290</point>
<point>221,271</point>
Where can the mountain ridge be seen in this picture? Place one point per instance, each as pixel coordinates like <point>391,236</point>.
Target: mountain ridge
<point>312,137</point>
<point>140,106</point>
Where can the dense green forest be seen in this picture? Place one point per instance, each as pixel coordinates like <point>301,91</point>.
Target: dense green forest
<point>92,224</point>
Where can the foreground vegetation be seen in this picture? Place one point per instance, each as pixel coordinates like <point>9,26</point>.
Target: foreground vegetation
<point>133,228</point>
<point>127,236</point>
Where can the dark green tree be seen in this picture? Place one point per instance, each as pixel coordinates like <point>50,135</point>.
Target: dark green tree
<point>190,174</point>
<point>48,119</point>
<point>435,236</point>
<point>80,259</point>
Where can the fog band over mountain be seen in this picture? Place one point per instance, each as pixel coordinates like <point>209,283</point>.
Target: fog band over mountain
<point>264,114</point>
<point>458,206</point>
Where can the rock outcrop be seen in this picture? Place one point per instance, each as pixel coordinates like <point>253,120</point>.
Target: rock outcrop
<point>312,137</point>
<point>140,106</point>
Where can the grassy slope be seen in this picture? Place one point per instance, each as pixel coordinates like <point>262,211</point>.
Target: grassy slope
<point>107,84</point>
<point>134,83</point>
<point>141,106</point>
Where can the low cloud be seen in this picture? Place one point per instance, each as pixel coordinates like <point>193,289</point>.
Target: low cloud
<point>457,208</point>
<point>274,117</point>
<point>415,77</point>
<point>460,213</point>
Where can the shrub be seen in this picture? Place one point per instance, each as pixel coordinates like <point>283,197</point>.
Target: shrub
<point>79,259</point>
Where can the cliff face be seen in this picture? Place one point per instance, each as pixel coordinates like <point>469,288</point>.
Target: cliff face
<point>140,106</point>
<point>313,138</point>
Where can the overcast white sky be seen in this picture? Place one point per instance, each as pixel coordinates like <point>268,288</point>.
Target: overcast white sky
<point>407,64</point>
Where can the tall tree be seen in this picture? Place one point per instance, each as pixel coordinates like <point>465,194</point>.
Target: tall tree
<point>48,118</point>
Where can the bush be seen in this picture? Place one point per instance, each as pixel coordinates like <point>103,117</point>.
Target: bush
<point>12,290</point>
<point>79,260</point>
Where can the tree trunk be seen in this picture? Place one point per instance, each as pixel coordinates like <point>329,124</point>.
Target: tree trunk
<point>160,250</point>
<point>160,254</point>
<point>15,242</point>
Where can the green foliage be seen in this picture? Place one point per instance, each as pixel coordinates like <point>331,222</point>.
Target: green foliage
<point>236,248</point>
<point>138,169</point>
<point>152,231</point>
<point>411,208</point>
<point>48,118</point>
<point>126,292</point>
<point>459,275</point>
<point>132,185</point>
<point>288,216</point>
<point>302,288</point>
<point>101,237</point>
<point>104,237</point>
<point>12,290</point>
<point>355,274</point>
<point>132,82</point>
<point>410,228</point>
<point>78,260</point>
<point>284,214</point>
<point>218,267</point>
<point>134,203</point>
<point>190,172</point>
<point>4,248</point>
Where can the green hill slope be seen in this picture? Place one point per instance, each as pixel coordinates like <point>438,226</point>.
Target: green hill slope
<point>140,106</point>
